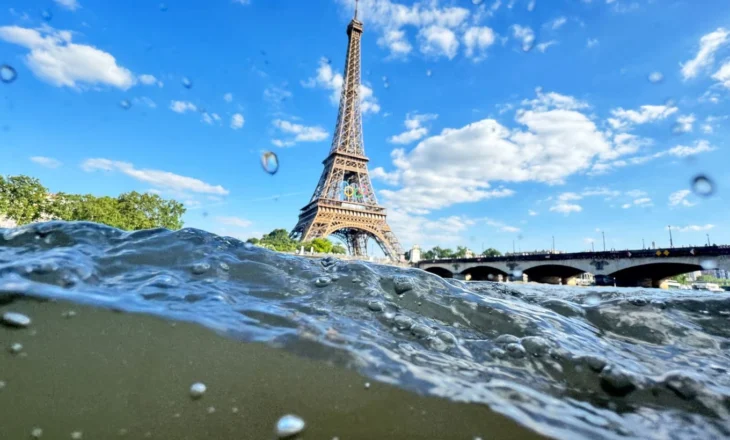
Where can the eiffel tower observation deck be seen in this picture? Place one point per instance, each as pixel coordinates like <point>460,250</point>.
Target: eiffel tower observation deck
<point>344,204</point>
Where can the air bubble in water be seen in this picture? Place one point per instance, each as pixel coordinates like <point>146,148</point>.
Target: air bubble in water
<point>197,390</point>
<point>708,264</point>
<point>16,348</point>
<point>13,319</point>
<point>47,15</point>
<point>656,77</point>
<point>36,433</point>
<point>703,186</point>
<point>367,385</point>
<point>592,299</point>
<point>187,83</point>
<point>125,104</point>
<point>7,74</point>
<point>211,410</point>
<point>322,281</point>
<point>76,435</point>
<point>270,162</point>
<point>289,425</point>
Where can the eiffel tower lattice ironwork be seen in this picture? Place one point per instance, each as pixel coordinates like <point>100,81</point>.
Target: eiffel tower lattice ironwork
<point>344,203</point>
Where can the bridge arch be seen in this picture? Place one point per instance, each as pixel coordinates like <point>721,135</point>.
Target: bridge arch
<point>552,273</point>
<point>360,233</point>
<point>652,274</point>
<point>483,273</point>
<point>440,271</point>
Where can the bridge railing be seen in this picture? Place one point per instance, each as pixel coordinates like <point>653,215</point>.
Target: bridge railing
<point>708,251</point>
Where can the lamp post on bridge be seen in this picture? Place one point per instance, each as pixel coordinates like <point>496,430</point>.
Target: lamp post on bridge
<point>603,233</point>
<point>708,239</point>
<point>671,243</point>
<point>553,244</point>
<point>643,246</point>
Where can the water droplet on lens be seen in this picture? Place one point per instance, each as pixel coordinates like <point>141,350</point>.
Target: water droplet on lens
<point>703,186</point>
<point>270,162</point>
<point>708,264</point>
<point>197,390</point>
<point>289,425</point>
<point>36,433</point>
<point>187,83</point>
<point>125,104</point>
<point>367,385</point>
<point>12,319</point>
<point>7,74</point>
<point>656,77</point>
<point>47,15</point>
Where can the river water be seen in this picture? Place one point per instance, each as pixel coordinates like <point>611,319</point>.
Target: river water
<point>561,361</point>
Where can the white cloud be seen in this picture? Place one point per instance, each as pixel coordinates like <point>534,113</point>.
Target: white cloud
<point>525,35</point>
<point>566,208</point>
<point>146,101</point>
<point>438,41</point>
<point>531,5</point>
<point>636,193</point>
<point>723,75</point>
<point>237,121</point>
<point>501,226</point>
<point>707,128</point>
<point>233,221</point>
<point>415,229</point>
<point>302,133</point>
<point>459,164</point>
<point>700,146</point>
<point>480,38</point>
<point>415,129</point>
<point>684,124</point>
<point>532,213</point>
<point>163,179</point>
<point>693,228</point>
<point>149,80</point>
<point>276,95</point>
<point>328,79</point>
<point>435,25</point>
<point>709,44</point>
<point>679,198</point>
<point>591,43</point>
<point>56,59</point>
<point>228,97</point>
<point>542,47</point>
<point>242,2</point>
<point>281,143</point>
<point>182,106</point>
<point>656,77</point>
<point>643,202</point>
<point>381,174</point>
<point>624,119</point>
<point>47,162</point>
<point>557,23</point>
<point>207,118</point>
<point>395,40</point>
<point>71,5</point>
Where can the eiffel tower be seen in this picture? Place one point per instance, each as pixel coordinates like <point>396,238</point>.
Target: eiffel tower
<point>344,203</point>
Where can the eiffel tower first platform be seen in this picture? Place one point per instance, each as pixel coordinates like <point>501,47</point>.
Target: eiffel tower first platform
<point>344,203</point>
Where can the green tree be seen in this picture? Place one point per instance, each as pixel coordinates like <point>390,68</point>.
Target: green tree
<point>22,198</point>
<point>491,252</point>
<point>460,252</point>
<point>682,279</point>
<point>338,249</point>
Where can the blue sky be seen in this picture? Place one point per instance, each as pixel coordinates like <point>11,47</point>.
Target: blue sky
<point>486,123</point>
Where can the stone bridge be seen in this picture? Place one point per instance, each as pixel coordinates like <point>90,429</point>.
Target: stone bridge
<point>645,267</point>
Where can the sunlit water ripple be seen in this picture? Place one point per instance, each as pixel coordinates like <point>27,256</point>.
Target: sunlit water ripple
<point>567,362</point>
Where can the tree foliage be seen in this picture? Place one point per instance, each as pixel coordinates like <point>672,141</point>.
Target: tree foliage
<point>491,252</point>
<point>24,199</point>
<point>279,240</point>
<point>461,252</point>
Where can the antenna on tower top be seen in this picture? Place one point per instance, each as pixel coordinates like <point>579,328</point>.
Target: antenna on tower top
<point>356,2</point>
